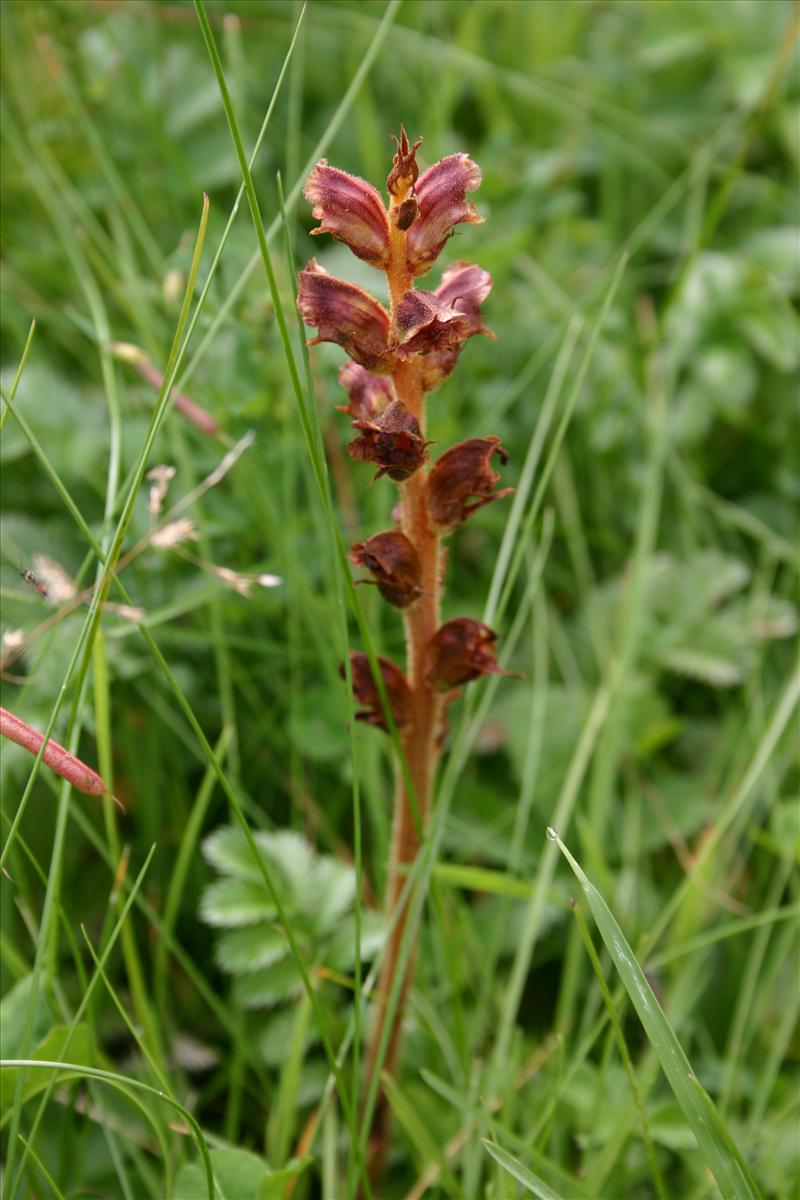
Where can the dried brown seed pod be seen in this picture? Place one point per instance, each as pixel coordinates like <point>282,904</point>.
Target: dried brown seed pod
<point>393,441</point>
<point>366,692</point>
<point>394,562</point>
<point>463,471</point>
<point>459,651</point>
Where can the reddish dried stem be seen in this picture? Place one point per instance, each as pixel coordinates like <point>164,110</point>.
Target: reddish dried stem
<point>420,737</point>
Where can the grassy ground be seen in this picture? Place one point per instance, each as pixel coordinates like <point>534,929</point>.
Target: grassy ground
<point>640,198</point>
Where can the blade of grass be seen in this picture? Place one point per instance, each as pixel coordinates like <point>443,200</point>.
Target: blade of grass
<point>529,1181</point>
<point>715,1142</point>
<point>12,391</point>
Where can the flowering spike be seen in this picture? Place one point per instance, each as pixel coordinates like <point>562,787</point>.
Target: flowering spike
<point>459,651</point>
<point>369,394</point>
<point>366,691</point>
<point>464,470</point>
<point>441,195</point>
<point>351,210</point>
<point>393,441</point>
<point>345,314</point>
<point>394,562</point>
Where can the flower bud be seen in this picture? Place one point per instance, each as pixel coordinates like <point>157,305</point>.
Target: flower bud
<point>463,471</point>
<point>351,210</point>
<point>369,394</point>
<point>404,172</point>
<point>366,691</point>
<point>459,651</point>
<point>394,562</point>
<point>393,441</point>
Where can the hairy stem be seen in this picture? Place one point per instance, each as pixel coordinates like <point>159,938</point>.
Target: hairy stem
<point>420,738</point>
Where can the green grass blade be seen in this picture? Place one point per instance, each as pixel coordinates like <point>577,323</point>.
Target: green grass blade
<point>529,1181</point>
<point>715,1142</point>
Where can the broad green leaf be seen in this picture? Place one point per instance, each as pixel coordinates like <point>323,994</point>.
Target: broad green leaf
<point>81,1049</point>
<point>242,950</point>
<point>273,1186</point>
<point>238,1175</point>
<point>716,1144</point>
<point>232,902</point>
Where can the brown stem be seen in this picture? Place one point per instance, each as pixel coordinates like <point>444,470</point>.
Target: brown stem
<point>420,737</point>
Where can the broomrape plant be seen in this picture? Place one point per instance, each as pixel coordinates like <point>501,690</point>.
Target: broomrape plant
<point>397,358</point>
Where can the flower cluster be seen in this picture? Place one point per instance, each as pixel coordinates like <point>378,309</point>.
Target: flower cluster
<point>397,356</point>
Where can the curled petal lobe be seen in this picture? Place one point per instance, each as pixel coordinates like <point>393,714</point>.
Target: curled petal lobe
<point>459,651</point>
<point>393,441</point>
<point>394,562</point>
<point>441,196</point>
<point>366,691</point>
<point>463,472</point>
<point>369,394</point>
<point>351,210</point>
<point>345,314</point>
<point>465,286</point>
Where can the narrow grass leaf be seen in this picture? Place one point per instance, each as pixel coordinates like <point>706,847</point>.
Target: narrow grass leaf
<point>529,1181</point>
<point>714,1140</point>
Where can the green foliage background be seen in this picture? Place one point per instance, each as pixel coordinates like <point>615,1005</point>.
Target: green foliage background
<point>656,723</point>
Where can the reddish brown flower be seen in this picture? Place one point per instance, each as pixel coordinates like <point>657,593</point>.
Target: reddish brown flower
<point>366,691</point>
<point>393,441</point>
<point>426,324</point>
<point>464,287</point>
<point>351,210</point>
<point>441,195</point>
<point>463,471</point>
<point>369,394</point>
<point>345,314</point>
<point>394,562</point>
<point>459,651</point>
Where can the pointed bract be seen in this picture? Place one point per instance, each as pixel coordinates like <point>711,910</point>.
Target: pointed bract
<point>345,314</point>
<point>351,210</point>
<point>441,196</point>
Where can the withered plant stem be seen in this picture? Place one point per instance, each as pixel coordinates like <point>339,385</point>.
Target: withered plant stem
<point>420,739</point>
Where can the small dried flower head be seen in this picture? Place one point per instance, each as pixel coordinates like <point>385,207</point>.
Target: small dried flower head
<point>351,210</point>
<point>394,562</point>
<point>366,691</point>
<point>369,394</point>
<point>441,195</point>
<point>174,534</point>
<point>13,639</point>
<point>345,314</point>
<point>459,651</point>
<point>405,172</point>
<point>393,441</point>
<point>462,472</point>
<point>128,612</point>
<point>59,586</point>
<point>426,324</point>
<point>232,579</point>
<point>160,478</point>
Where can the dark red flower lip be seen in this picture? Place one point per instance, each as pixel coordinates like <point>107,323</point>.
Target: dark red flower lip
<point>351,210</point>
<point>461,650</point>
<point>366,691</point>
<point>464,471</point>
<point>393,561</point>
<point>393,441</point>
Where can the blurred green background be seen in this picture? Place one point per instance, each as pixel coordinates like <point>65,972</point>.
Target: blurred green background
<point>665,128</point>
